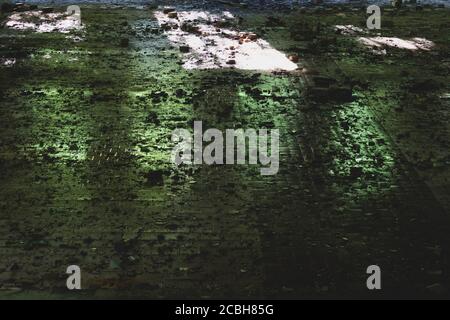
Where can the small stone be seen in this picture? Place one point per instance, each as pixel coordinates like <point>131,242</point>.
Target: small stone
<point>173,15</point>
<point>253,36</point>
<point>294,58</point>
<point>187,27</point>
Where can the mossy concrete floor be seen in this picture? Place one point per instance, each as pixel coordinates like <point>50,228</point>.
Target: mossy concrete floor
<point>86,178</point>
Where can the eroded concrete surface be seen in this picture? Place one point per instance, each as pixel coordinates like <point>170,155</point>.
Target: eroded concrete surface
<point>86,178</point>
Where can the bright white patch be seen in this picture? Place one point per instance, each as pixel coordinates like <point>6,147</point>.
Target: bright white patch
<point>379,44</point>
<point>40,22</point>
<point>349,29</point>
<point>212,47</point>
<point>8,62</point>
<point>412,44</point>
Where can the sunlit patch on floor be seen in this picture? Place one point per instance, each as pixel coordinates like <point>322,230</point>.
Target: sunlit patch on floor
<point>379,44</point>
<point>43,22</point>
<point>207,45</point>
<point>394,42</point>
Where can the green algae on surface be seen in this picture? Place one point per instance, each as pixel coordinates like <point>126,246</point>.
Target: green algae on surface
<point>86,176</point>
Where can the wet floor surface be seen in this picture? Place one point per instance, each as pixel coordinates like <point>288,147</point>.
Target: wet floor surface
<point>86,176</point>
